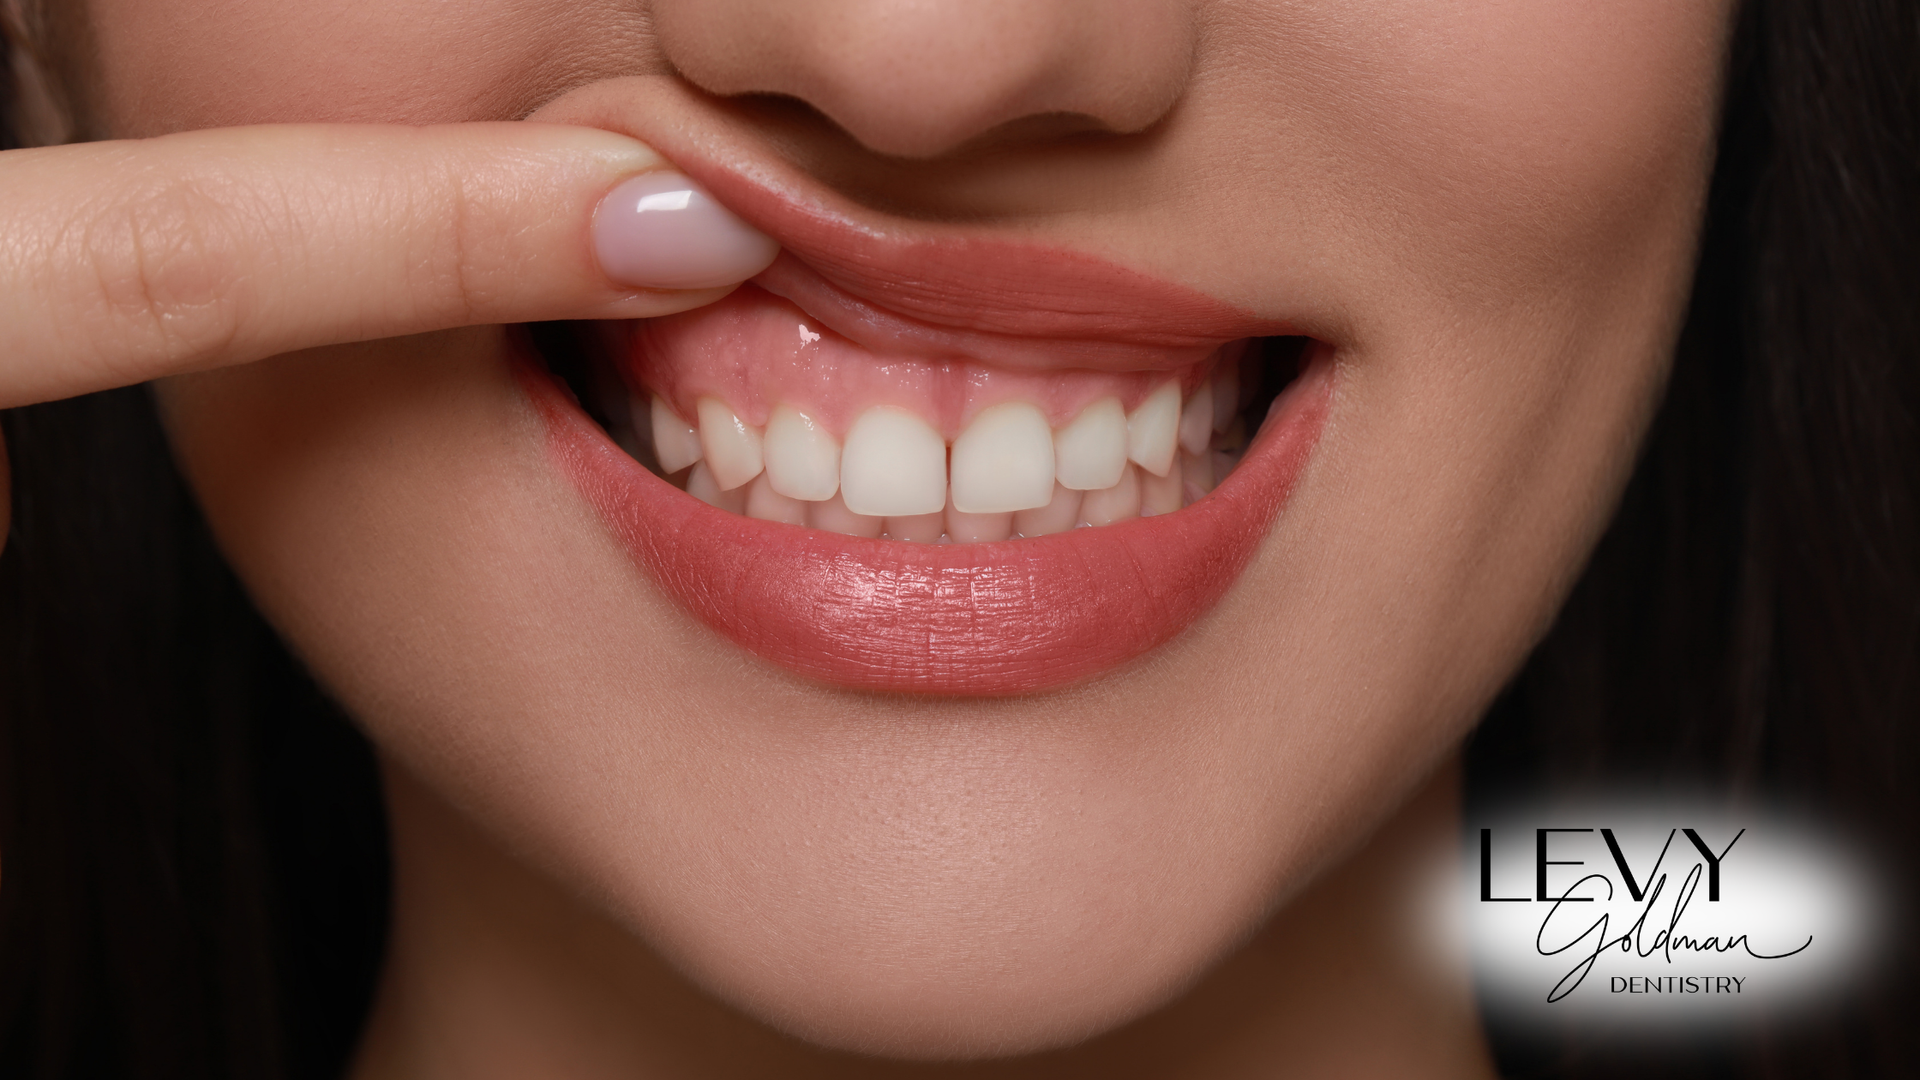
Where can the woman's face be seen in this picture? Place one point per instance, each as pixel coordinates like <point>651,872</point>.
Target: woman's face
<point>1481,215</point>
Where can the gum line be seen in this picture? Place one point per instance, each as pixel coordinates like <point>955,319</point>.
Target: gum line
<point>755,350</point>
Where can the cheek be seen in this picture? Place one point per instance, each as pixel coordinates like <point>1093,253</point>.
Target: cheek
<point>1485,155</point>
<point>1504,141</point>
<point>175,65</point>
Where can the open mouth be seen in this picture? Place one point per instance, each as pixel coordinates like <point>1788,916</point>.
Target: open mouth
<point>956,501</point>
<point>754,407</point>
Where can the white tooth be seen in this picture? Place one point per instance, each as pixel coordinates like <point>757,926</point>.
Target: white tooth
<point>1226,394</point>
<point>1197,469</point>
<point>676,444</point>
<point>917,528</point>
<point>1091,452</point>
<point>803,461</point>
<point>1004,461</point>
<point>833,516</point>
<point>893,465</point>
<point>1059,515</point>
<point>731,446</point>
<point>1117,503</point>
<point>1196,420</point>
<point>700,485</point>
<point>1160,494</point>
<point>1153,430</point>
<point>765,503</point>
<point>965,528</point>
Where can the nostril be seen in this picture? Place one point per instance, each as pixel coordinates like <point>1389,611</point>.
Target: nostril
<point>920,80</point>
<point>794,114</point>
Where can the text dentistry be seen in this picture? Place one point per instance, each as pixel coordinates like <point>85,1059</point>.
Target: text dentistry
<point>1676,984</point>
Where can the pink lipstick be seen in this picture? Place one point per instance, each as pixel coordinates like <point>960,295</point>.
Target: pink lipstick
<point>871,462</point>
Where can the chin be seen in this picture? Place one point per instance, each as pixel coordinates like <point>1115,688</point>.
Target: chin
<point>939,984</point>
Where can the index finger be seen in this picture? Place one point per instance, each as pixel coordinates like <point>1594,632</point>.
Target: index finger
<point>125,261</point>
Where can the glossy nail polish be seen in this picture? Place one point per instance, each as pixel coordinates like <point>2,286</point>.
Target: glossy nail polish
<point>660,230</point>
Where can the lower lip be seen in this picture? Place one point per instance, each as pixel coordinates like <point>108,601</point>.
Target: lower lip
<point>960,619</point>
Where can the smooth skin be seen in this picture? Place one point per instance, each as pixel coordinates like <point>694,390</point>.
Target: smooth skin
<point>626,849</point>
<point>133,260</point>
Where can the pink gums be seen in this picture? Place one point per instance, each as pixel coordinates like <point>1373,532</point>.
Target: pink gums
<point>973,619</point>
<point>754,350</point>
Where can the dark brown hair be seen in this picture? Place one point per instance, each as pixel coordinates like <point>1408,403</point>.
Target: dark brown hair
<point>194,878</point>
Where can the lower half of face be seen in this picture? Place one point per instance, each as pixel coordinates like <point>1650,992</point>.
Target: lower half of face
<point>733,702</point>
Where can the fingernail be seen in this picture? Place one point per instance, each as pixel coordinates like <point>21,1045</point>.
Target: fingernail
<point>661,230</point>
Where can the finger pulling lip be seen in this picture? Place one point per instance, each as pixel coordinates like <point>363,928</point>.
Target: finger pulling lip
<point>991,618</point>
<point>904,286</point>
<point>974,619</point>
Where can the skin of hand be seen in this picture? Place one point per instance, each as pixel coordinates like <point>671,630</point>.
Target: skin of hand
<point>130,260</point>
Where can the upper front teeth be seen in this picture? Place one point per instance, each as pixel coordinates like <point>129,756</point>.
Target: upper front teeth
<point>1009,471</point>
<point>1004,461</point>
<point>894,465</point>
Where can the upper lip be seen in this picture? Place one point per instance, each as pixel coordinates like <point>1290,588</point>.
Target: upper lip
<point>949,293</point>
<point>926,289</point>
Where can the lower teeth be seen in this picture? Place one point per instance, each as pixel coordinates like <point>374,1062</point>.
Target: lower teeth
<point>757,464</point>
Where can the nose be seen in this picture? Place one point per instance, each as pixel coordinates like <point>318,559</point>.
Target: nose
<point>918,78</point>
